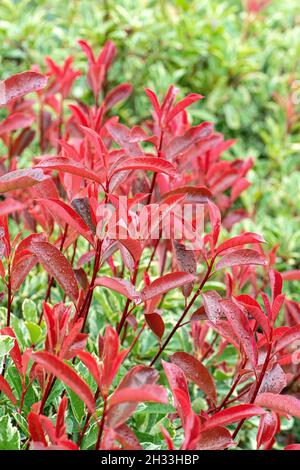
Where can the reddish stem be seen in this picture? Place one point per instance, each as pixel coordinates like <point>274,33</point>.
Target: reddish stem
<point>185,312</point>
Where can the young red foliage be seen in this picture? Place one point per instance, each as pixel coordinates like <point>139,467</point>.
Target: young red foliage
<point>160,284</point>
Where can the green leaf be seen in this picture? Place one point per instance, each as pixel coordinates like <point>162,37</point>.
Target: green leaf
<point>9,435</point>
<point>34,330</point>
<point>29,311</point>
<point>77,406</point>
<point>154,408</point>
<point>6,344</point>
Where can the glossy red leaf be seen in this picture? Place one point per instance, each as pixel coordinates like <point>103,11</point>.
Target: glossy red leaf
<point>292,447</point>
<point>165,284</point>
<point>186,261</point>
<point>155,323</point>
<point>241,258</point>
<point>195,371</point>
<point>179,388</point>
<point>276,283</point>
<point>281,404</point>
<point>157,165</point>
<point>268,426</point>
<point>241,326</point>
<point>67,375</point>
<point>291,335</point>
<point>15,352</point>
<point>218,438</point>
<point>212,305</point>
<point>69,166</point>
<point>21,269</point>
<point>121,135</point>
<point>64,214</point>
<point>240,240</point>
<point>35,429</point>
<point>181,105</point>
<point>154,101</point>
<point>139,377</point>
<point>293,275</point>
<point>121,286</point>
<point>232,415</point>
<point>21,179</point>
<point>20,84</point>
<point>127,438</point>
<point>117,94</point>
<point>6,389</point>
<point>253,307</point>
<point>57,265</point>
<point>10,205</point>
<point>193,194</point>
<point>16,121</point>
<point>182,143</point>
<point>154,393</point>
<point>91,363</point>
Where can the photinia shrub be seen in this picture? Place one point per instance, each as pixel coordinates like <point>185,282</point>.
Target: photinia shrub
<point>135,212</point>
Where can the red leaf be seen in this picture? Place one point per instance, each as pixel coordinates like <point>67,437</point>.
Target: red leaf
<point>10,205</point>
<point>214,439</point>
<point>156,324</point>
<point>267,429</point>
<point>253,307</point>
<point>67,375</point>
<point>154,101</point>
<point>87,50</point>
<point>293,275</point>
<point>276,283</point>
<point>291,335</point>
<point>165,283</point>
<point>90,362</point>
<point>15,352</point>
<point>127,438</point>
<point>240,325</point>
<point>69,166</point>
<point>154,393</point>
<point>35,429</point>
<point>186,261</point>
<point>196,372</point>
<point>16,121</point>
<point>119,285</point>
<point>137,378</point>
<point>292,447</point>
<point>187,101</point>
<point>212,306</point>
<point>158,165</point>
<point>20,84</point>
<point>281,404</point>
<point>111,357</point>
<point>57,265</point>
<point>274,380</point>
<point>66,215</point>
<point>232,414</point>
<point>194,194</point>
<point>192,136</point>
<point>24,260</point>
<point>21,179</point>
<point>121,134</point>
<point>6,389</point>
<point>180,391</point>
<point>119,93</point>
<point>241,258</point>
<point>239,240</point>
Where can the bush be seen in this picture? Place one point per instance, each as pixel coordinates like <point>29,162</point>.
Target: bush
<point>112,296</point>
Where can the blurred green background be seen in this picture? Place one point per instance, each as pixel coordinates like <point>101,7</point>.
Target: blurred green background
<point>247,66</point>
